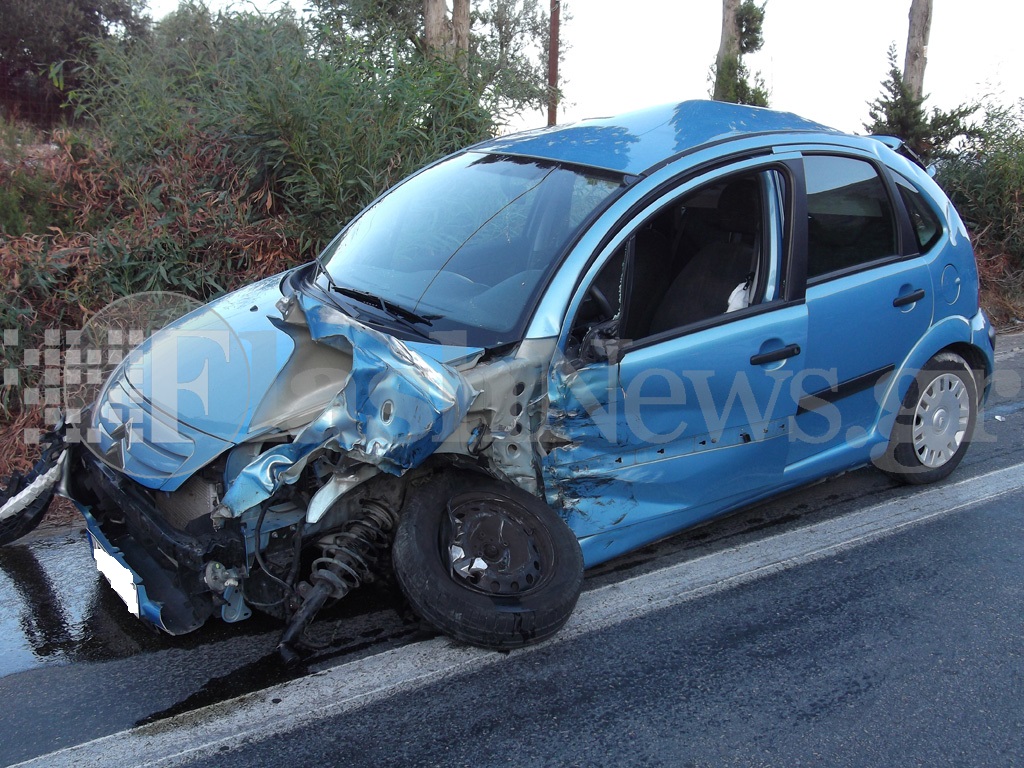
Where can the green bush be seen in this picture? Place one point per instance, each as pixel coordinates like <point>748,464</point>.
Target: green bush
<point>28,194</point>
<point>985,180</point>
<point>218,150</point>
<point>312,138</point>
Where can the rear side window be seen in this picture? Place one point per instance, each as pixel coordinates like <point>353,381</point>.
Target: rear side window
<point>923,219</point>
<point>849,216</point>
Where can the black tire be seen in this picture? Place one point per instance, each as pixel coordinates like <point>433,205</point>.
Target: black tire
<point>26,519</point>
<point>521,569</point>
<point>936,421</point>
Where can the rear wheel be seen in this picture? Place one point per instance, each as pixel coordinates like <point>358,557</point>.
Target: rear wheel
<point>486,562</point>
<point>934,426</point>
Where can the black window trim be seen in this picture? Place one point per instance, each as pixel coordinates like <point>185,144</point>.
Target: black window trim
<point>926,200</point>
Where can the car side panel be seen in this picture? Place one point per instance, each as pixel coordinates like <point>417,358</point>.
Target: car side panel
<point>856,340</point>
<point>687,429</point>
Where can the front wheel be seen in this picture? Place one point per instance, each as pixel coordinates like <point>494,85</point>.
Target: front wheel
<point>934,426</point>
<point>486,562</point>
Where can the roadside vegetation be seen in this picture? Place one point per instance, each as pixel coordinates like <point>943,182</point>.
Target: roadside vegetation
<point>978,153</point>
<point>985,180</point>
<point>212,149</point>
<point>208,150</point>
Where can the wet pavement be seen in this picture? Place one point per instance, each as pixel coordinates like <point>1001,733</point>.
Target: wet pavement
<point>92,669</point>
<point>55,611</point>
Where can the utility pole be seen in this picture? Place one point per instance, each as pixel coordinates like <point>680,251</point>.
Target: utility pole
<point>553,63</point>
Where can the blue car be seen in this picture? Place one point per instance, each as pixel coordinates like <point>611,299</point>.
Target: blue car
<point>526,359</point>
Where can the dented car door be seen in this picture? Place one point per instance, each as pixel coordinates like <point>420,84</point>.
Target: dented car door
<point>701,376</point>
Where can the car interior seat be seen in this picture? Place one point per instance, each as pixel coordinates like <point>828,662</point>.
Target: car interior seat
<point>702,287</point>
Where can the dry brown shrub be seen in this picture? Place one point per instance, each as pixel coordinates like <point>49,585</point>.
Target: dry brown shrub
<point>1002,286</point>
<point>15,453</point>
<point>58,279</point>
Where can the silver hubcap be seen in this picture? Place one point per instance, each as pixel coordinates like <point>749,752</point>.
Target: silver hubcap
<point>940,420</point>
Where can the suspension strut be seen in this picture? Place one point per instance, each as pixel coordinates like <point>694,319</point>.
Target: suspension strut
<point>347,561</point>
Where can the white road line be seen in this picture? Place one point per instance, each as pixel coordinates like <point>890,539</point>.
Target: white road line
<point>355,684</point>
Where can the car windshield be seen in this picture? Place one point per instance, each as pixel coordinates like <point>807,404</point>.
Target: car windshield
<point>467,243</point>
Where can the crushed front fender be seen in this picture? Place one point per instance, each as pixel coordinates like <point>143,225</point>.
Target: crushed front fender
<point>395,408</point>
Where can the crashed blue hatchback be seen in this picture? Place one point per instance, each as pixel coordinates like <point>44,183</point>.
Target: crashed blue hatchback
<point>528,358</point>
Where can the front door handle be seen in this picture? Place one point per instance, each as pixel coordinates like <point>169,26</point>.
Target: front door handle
<point>790,350</point>
<point>910,298</point>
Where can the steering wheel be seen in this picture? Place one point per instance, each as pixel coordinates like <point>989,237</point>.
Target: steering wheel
<point>602,301</point>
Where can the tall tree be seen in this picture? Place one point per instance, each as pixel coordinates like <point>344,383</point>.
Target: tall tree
<point>554,41</point>
<point>728,47</point>
<point>899,112</point>
<point>36,36</point>
<point>500,46</point>
<point>742,25</point>
<point>917,46</point>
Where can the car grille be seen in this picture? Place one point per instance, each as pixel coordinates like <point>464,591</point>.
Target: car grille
<point>133,438</point>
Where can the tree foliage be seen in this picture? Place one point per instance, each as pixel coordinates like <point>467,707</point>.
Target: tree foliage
<point>742,33</point>
<point>898,112</point>
<point>38,36</point>
<point>506,62</point>
<point>309,134</point>
<point>985,180</point>
<point>750,21</point>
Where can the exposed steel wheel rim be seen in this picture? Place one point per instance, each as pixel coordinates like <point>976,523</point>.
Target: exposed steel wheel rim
<point>493,545</point>
<point>941,419</point>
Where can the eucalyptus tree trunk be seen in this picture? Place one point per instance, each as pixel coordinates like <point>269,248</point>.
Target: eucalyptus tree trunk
<point>447,37</point>
<point>728,49</point>
<point>917,46</point>
<point>460,30</point>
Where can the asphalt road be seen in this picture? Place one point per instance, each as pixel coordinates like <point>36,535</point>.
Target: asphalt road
<point>905,650</point>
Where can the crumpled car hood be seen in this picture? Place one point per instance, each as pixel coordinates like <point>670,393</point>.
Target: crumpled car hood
<point>236,369</point>
<point>395,409</point>
<point>212,368</point>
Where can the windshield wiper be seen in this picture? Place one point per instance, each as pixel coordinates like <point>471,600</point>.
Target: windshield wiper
<point>322,270</point>
<point>388,306</point>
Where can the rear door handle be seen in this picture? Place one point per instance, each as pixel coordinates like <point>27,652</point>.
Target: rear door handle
<point>910,298</point>
<point>790,350</point>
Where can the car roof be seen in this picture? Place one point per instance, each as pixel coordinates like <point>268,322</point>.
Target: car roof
<point>636,142</point>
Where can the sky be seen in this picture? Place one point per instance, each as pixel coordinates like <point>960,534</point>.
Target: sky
<point>822,59</point>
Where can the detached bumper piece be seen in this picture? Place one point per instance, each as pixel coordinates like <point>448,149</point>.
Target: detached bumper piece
<point>24,498</point>
<point>123,579</point>
<point>154,568</point>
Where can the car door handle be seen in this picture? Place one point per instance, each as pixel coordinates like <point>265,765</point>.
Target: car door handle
<point>790,350</point>
<point>910,298</point>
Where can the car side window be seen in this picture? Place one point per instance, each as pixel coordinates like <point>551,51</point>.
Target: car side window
<point>701,257</point>
<point>850,219</point>
<point>923,219</point>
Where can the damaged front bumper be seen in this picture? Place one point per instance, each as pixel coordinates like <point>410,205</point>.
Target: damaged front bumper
<point>156,569</point>
<point>126,582</point>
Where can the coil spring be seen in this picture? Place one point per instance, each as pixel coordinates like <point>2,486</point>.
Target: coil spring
<point>349,555</point>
